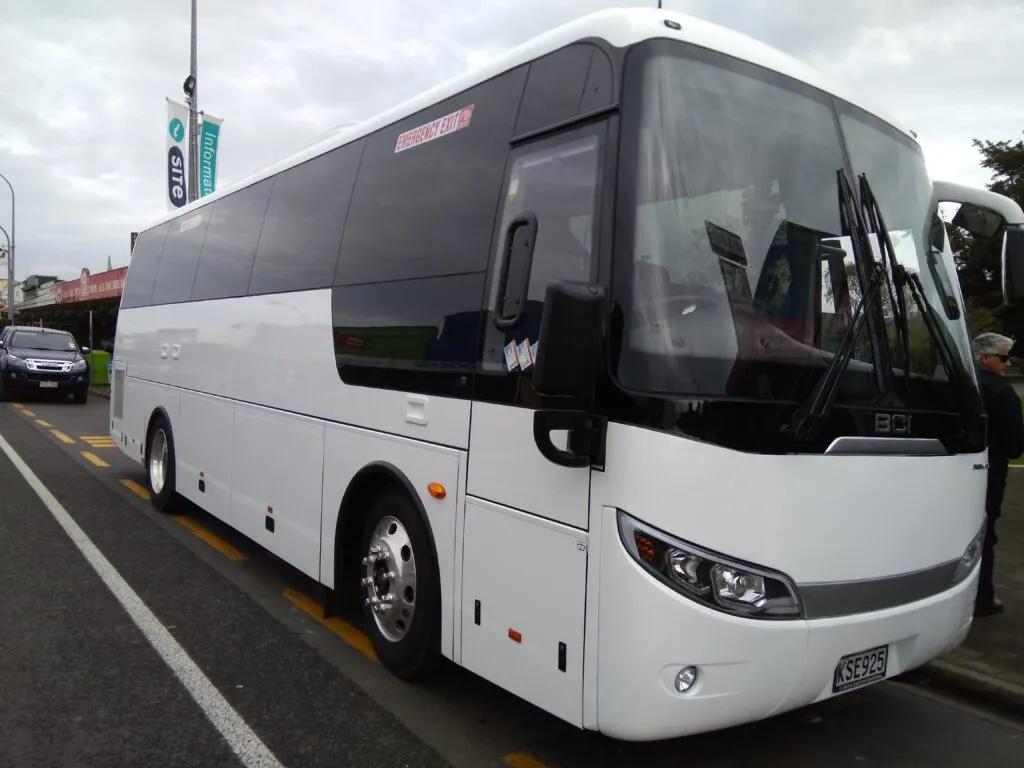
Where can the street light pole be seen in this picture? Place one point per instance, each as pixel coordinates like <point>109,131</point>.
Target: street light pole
<point>8,238</point>
<point>193,127</point>
<point>10,256</point>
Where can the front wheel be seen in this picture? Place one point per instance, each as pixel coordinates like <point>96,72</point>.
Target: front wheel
<point>400,589</point>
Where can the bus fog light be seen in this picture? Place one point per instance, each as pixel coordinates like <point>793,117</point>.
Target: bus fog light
<point>686,678</point>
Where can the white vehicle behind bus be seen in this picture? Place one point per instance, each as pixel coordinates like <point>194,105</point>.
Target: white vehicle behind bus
<point>537,369</point>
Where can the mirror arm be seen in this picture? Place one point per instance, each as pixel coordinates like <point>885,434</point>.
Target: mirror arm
<point>586,437</point>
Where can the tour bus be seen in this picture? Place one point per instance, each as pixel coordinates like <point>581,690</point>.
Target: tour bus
<point>630,372</point>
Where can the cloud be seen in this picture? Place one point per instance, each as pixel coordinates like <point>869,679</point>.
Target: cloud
<point>81,122</point>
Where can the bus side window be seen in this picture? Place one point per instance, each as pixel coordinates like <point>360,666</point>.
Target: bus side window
<point>556,182</point>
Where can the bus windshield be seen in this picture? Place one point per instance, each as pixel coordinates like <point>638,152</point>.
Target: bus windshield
<point>732,277</point>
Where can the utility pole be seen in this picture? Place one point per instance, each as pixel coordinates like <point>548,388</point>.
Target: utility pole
<point>10,258</point>
<point>192,96</point>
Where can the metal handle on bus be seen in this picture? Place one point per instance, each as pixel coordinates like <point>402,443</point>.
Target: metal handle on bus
<point>529,222</point>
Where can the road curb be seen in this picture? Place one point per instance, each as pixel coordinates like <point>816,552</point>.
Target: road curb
<point>984,690</point>
<point>100,392</point>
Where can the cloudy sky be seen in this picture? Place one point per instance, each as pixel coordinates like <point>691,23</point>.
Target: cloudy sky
<point>83,83</point>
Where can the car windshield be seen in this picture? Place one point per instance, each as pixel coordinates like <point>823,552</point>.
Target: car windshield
<point>51,342</point>
<point>732,277</point>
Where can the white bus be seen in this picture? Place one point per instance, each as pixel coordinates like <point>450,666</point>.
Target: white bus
<point>537,368</point>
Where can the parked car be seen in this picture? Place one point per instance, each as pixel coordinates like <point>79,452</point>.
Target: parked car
<point>35,360</point>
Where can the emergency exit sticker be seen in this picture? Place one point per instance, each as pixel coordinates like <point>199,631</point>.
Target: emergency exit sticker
<point>435,129</point>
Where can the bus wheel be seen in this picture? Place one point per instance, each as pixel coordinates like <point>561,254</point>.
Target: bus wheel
<point>160,475</point>
<point>399,587</point>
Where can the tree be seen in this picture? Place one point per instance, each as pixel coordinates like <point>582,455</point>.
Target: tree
<point>978,259</point>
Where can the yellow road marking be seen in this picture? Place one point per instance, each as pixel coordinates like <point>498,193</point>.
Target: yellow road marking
<point>42,423</point>
<point>62,437</point>
<point>342,629</point>
<point>99,441</point>
<point>92,458</point>
<point>210,538</point>
<point>27,412</point>
<point>522,760</point>
<point>17,405</point>
<point>135,488</point>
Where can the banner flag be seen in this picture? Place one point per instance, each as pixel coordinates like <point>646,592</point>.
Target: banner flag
<point>177,154</point>
<point>209,140</point>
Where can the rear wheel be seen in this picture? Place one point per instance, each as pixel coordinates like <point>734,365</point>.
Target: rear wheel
<point>400,590</point>
<point>160,475</point>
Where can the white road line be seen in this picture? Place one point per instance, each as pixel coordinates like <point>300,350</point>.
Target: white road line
<point>243,741</point>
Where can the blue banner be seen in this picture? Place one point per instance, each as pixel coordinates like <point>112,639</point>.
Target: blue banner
<point>209,139</point>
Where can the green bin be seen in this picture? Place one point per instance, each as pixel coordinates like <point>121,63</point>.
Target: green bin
<point>98,362</point>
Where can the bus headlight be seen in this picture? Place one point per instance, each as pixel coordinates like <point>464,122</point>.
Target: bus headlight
<point>971,556</point>
<point>708,578</point>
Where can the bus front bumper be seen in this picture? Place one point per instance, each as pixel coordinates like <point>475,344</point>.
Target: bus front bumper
<point>747,669</point>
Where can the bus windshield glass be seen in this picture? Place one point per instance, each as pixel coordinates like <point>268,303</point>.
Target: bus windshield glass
<point>732,277</point>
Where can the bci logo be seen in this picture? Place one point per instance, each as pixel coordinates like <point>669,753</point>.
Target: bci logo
<point>892,424</point>
<point>176,176</point>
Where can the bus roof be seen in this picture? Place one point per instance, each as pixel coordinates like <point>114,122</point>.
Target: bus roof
<point>620,27</point>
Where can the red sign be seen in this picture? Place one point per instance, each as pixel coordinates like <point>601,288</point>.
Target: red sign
<point>105,285</point>
<point>456,121</point>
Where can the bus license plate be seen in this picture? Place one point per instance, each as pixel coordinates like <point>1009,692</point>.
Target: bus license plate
<point>859,669</point>
<point>48,384</point>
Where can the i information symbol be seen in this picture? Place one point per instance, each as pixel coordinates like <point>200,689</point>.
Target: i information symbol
<point>177,129</point>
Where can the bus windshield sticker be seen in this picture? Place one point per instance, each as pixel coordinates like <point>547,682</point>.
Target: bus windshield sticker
<point>533,351</point>
<point>435,129</point>
<point>524,353</point>
<point>511,356</point>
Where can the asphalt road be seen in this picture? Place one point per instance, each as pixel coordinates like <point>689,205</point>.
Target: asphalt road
<point>82,684</point>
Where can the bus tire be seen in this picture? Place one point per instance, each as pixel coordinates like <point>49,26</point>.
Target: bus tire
<point>399,586</point>
<point>160,466</point>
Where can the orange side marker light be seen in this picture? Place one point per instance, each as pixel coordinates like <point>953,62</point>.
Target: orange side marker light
<point>437,490</point>
<point>515,635</point>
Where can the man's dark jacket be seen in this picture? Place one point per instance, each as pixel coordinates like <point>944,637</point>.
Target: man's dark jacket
<point>1005,425</point>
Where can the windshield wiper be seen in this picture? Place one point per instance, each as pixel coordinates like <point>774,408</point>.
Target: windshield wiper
<point>873,214</point>
<point>805,421</point>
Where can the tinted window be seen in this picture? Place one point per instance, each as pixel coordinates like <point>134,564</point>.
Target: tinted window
<point>600,88</point>
<point>413,335</point>
<point>298,249</point>
<point>556,181</point>
<point>230,246</point>
<point>427,191</point>
<point>142,270</point>
<point>554,88</point>
<point>181,256</point>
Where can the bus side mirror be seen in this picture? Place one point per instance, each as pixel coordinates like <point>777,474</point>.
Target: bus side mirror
<point>1013,264</point>
<point>568,361</point>
<point>571,337</point>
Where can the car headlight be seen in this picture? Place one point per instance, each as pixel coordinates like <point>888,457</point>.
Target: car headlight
<point>16,362</point>
<point>78,365</point>
<point>708,578</point>
<point>971,556</point>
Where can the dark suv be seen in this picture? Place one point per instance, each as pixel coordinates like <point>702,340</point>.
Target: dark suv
<point>42,360</point>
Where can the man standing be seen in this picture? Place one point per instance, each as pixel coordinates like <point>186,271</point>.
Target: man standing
<point>1005,442</point>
